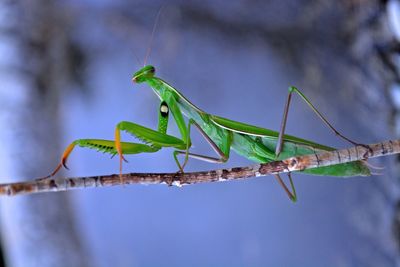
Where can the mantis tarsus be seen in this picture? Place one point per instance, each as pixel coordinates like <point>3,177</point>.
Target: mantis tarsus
<point>255,143</point>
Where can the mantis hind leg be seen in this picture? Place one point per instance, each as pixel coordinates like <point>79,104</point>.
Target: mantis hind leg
<point>292,90</point>
<point>278,149</point>
<point>223,155</point>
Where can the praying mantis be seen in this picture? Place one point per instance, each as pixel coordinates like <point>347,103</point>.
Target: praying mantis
<point>222,134</point>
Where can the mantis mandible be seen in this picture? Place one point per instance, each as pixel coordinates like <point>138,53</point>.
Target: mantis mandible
<point>252,142</point>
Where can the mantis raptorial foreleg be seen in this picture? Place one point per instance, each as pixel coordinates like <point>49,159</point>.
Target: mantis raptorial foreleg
<point>105,146</point>
<point>155,140</point>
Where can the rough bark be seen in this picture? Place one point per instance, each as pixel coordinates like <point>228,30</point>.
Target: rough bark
<point>293,164</point>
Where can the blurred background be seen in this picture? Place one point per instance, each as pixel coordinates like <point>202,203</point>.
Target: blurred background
<point>65,73</point>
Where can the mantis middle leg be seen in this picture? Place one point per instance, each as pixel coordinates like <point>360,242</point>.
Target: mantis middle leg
<point>222,152</point>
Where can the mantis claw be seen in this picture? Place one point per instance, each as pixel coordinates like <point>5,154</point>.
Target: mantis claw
<point>366,147</point>
<point>63,163</point>
<point>122,157</point>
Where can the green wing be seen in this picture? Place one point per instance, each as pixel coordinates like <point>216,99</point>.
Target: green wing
<point>248,129</point>
<point>294,146</point>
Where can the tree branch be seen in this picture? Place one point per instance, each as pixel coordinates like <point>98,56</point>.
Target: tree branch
<point>361,152</point>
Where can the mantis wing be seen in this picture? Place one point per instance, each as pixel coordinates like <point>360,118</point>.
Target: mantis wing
<point>294,146</point>
<point>248,129</point>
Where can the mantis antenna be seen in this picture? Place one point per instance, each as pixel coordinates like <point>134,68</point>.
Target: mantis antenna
<point>152,35</point>
<point>136,57</point>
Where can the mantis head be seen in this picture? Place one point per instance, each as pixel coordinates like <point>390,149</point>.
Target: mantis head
<point>143,74</point>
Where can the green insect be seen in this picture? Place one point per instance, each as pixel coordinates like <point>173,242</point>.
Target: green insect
<point>255,143</point>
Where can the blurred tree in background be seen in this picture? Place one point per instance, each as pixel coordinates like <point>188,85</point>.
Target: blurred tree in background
<point>36,59</point>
